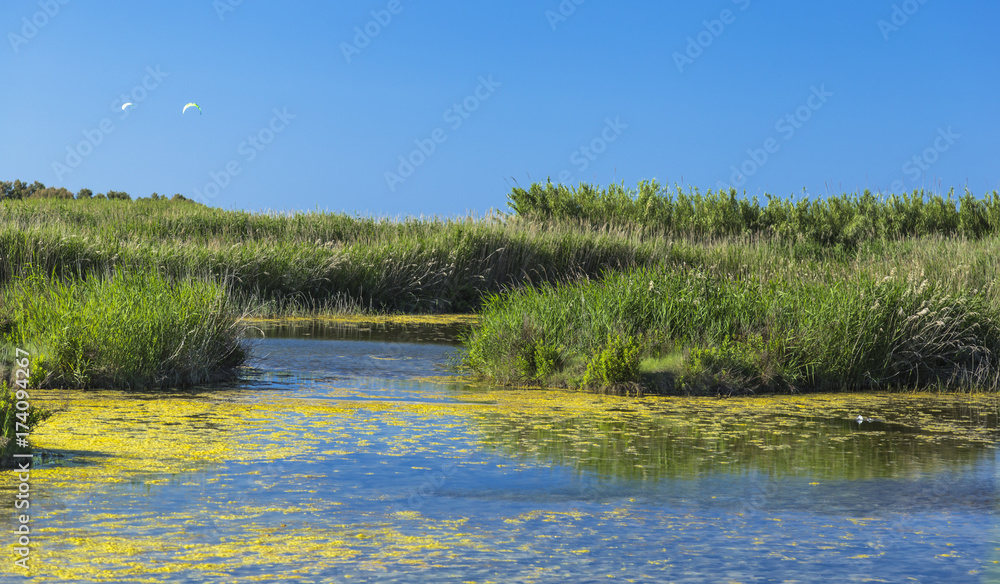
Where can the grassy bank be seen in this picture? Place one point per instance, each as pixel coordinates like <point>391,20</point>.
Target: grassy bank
<point>303,263</point>
<point>315,262</point>
<point>748,317</point>
<point>122,329</point>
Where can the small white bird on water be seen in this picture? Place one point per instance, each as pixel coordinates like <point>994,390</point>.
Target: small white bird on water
<point>861,419</point>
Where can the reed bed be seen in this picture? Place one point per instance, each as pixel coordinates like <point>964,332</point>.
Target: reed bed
<point>318,261</point>
<point>835,220</point>
<point>120,330</point>
<point>750,318</point>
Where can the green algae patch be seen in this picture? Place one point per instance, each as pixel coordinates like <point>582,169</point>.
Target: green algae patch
<point>289,553</point>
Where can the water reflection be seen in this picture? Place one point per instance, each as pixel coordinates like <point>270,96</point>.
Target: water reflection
<point>673,437</point>
<point>442,330</point>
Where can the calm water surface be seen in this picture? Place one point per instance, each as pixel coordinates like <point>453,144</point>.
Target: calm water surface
<point>352,455</point>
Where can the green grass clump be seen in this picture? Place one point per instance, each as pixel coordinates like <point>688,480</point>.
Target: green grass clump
<point>123,330</point>
<point>733,366</point>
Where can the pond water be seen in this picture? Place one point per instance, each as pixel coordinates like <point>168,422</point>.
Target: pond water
<point>353,455</point>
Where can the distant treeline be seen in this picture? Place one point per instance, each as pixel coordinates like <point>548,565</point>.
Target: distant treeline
<point>37,190</point>
<point>843,219</point>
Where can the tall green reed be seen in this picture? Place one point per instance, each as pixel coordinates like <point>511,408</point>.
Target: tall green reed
<point>122,329</point>
<point>834,220</point>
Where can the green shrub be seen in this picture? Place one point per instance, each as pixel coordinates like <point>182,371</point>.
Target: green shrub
<point>538,360</point>
<point>617,362</point>
<point>38,372</point>
<point>11,416</point>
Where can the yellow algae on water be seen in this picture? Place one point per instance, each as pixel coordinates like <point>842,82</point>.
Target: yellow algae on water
<point>116,444</point>
<point>398,319</point>
<point>105,441</point>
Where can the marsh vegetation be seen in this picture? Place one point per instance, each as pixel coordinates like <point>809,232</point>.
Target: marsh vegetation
<point>624,289</point>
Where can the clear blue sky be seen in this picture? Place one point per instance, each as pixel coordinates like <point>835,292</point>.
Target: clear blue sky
<point>576,90</point>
